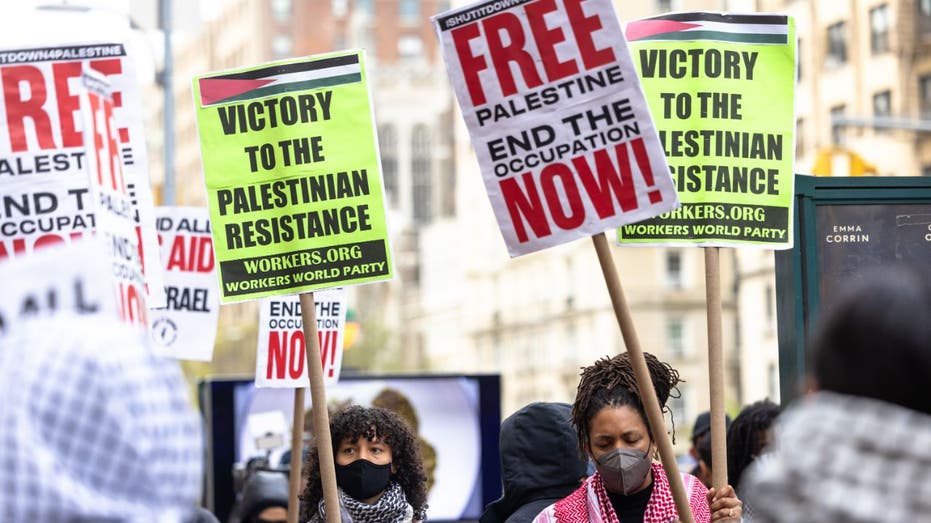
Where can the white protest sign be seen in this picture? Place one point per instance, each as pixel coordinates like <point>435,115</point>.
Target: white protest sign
<point>280,359</point>
<point>557,117</point>
<point>187,327</point>
<point>114,208</point>
<point>66,279</point>
<point>42,150</point>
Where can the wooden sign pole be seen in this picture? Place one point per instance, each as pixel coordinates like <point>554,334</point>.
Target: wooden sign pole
<point>297,453</point>
<point>321,416</point>
<point>642,374</point>
<point>716,368</point>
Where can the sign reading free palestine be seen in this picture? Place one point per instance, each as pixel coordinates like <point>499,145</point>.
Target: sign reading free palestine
<point>293,176</point>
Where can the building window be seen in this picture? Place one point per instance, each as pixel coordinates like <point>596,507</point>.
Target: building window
<point>420,171</point>
<point>882,104</point>
<point>678,408</point>
<point>409,10</point>
<point>799,137</point>
<point>879,29</point>
<point>924,17</point>
<point>675,337</point>
<point>281,46</point>
<point>281,10</point>
<point>410,46</point>
<point>837,129</point>
<point>674,269</point>
<point>837,44</point>
<point>388,143</point>
<point>366,7</point>
<point>924,92</point>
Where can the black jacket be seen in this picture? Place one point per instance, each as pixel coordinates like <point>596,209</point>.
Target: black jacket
<point>540,462</point>
<point>263,489</point>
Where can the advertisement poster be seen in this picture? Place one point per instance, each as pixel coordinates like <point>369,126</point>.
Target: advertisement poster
<point>293,176</point>
<point>187,328</point>
<point>721,89</point>
<point>557,117</point>
<point>281,360</point>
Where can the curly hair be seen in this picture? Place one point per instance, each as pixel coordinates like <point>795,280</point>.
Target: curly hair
<point>746,437</point>
<point>354,422</point>
<point>610,382</point>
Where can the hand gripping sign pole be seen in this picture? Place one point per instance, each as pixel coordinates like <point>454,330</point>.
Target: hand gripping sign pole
<point>321,417</point>
<point>715,367</point>
<point>642,375</point>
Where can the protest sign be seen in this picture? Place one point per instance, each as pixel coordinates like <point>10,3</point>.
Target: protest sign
<point>280,359</point>
<point>109,190</point>
<point>721,89</point>
<point>42,285</point>
<point>43,161</point>
<point>557,118</point>
<point>293,176</point>
<point>187,327</point>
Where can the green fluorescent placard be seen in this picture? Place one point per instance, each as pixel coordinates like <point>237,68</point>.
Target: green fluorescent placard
<point>721,89</point>
<point>293,176</point>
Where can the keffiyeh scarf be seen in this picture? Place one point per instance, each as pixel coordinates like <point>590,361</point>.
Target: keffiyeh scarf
<point>392,507</point>
<point>590,502</point>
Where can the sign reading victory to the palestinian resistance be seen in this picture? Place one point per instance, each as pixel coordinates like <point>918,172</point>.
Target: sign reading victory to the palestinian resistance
<point>187,327</point>
<point>557,118</point>
<point>280,360</point>
<point>45,162</point>
<point>293,176</point>
<point>722,92</point>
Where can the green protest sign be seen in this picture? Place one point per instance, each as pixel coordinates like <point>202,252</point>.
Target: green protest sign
<point>293,176</point>
<point>721,90</point>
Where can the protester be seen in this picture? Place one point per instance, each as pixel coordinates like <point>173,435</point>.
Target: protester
<point>379,471</point>
<point>701,446</point>
<point>749,435</point>
<point>858,449</point>
<point>94,427</point>
<point>540,462</point>
<point>611,428</point>
<point>264,498</point>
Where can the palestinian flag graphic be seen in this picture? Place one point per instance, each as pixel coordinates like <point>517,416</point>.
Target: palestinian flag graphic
<point>279,79</point>
<point>742,29</point>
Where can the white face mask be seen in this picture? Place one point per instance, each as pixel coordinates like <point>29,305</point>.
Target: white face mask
<point>623,470</point>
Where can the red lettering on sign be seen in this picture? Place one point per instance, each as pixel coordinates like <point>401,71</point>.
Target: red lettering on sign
<point>611,180</point>
<point>21,106</point>
<point>506,40</point>
<point>68,104</point>
<point>547,39</point>
<point>16,246</point>
<point>132,304</point>
<point>193,255</point>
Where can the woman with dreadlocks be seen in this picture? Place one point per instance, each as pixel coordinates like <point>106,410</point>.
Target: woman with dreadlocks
<point>379,471</point>
<point>612,429</point>
<point>747,438</point>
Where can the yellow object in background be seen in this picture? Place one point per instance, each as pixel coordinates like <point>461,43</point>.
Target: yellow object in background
<point>841,161</point>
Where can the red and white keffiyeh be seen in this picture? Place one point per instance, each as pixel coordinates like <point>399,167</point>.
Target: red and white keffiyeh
<point>590,503</point>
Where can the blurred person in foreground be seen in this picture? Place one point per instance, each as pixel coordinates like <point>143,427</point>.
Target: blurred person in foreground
<point>379,471</point>
<point>540,462</point>
<point>612,429</point>
<point>264,498</point>
<point>858,449</point>
<point>94,427</point>
<point>701,446</point>
<point>748,438</point>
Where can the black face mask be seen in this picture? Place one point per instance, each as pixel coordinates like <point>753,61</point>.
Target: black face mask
<point>363,479</point>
